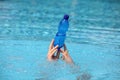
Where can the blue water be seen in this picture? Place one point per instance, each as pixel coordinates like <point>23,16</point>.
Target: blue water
<point>93,39</point>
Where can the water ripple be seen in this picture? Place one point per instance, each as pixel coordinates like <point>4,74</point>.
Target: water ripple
<point>95,23</point>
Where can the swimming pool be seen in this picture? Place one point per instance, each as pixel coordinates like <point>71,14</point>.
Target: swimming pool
<point>93,39</point>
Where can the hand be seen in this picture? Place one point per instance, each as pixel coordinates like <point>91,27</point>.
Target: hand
<point>51,52</point>
<point>65,54</point>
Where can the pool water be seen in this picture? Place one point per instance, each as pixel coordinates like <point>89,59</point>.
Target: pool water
<point>93,39</point>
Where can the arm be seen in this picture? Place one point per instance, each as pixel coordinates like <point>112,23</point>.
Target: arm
<point>51,51</point>
<point>66,55</point>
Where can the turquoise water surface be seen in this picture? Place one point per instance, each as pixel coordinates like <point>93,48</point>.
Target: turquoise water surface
<point>93,39</point>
